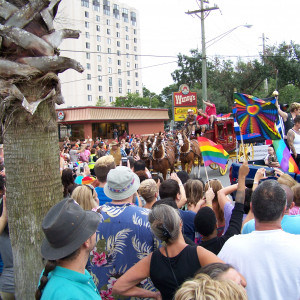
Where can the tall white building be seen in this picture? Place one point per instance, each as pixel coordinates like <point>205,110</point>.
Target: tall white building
<point>108,48</point>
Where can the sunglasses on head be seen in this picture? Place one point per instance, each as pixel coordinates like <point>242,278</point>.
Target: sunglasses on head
<point>91,188</point>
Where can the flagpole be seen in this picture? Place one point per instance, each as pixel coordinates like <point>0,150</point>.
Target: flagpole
<point>206,175</point>
<point>242,143</point>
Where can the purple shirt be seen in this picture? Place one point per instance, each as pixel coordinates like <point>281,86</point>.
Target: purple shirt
<point>228,207</point>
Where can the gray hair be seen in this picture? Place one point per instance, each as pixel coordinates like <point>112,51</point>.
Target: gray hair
<point>165,223</point>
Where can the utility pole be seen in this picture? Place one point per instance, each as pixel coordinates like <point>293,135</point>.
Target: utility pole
<point>264,56</point>
<point>202,10</point>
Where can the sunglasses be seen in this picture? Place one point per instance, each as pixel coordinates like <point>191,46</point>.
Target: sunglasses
<point>91,188</point>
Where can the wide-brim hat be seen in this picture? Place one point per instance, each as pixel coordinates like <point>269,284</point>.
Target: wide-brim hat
<point>66,227</point>
<point>121,183</point>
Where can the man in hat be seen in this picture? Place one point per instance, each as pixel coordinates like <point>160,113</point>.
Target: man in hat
<point>117,152</point>
<point>124,237</point>
<point>190,122</point>
<point>70,236</point>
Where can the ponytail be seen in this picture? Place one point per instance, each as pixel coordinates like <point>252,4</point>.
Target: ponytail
<point>50,266</point>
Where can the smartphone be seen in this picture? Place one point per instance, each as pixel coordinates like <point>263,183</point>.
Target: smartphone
<point>124,161</point>
<point>81,169</point>
<point>154,175</point>
<point>270,173</point>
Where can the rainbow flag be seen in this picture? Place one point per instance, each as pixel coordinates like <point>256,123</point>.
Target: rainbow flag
<point>212,152</point>
<point>287,163</point>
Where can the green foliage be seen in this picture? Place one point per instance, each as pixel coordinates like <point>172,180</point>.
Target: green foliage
<point>101,102</point>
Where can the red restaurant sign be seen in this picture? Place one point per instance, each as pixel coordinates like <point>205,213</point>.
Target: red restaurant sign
<point>184,97</point>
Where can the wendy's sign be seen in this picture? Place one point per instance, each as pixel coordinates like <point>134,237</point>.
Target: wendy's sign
<point>184,97</point>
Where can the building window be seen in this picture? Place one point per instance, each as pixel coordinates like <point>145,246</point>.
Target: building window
<point>118,44</point>
<point>117,25</point>
<point>89,87</point>
<point>118,53</point>
<point>98,38</point>
<point>127,46</point>
<point>134,31</point>
<point>111,99</point>
<point>99,57</point>
<point>88,76</point>
<point>108,31</point>
<point>136,66</point>
<point>128,73</point>
<point>100,78</point>
<point>128,82</point>
<point>137,91</point>
<point>98,48</point>
<point>87,35</point>
<point>100,88</point>
<point>128,64</point>
<point>108,50</point>
<point>85,3</point>
<point>119,62</point>
<point>108,22</point>
<point>96,5</point>
<point>120,82</point>
<point>86,14</point>
<point>118,34</point>
<point>136,57</point>
<point>135,40</point>
<point>88,66</point>
<point>116,11</point>
<point>106,7</point>
<point>136,83</point>
<point>119,71</point>
<point>127,55</point>
<point>90,98</point>
<point>110,89</point>
<point>126,28</point>
<point>108,41</point>
<point>99,68</point>
<point>127,37</point>
<point>129,91</point>
<point>87,55</point>
<point>98,27</point>
<point>110,81</point>
<point>133,18</point>
<point>136,74</point>
<point>125,14</point>
<point>109,60</point>
<point>97,18</point>
<point>109,70</point>
<point>120,90</point>
<point>87,24</point>
<point>87,45</point>
<point>100,97</point>
<point>135,48</point>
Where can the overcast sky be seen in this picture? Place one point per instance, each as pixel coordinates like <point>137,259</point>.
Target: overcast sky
<point>166,31</point>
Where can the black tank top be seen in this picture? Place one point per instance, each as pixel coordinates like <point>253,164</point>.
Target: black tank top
<point>289,123</point>
<point>184,266</point>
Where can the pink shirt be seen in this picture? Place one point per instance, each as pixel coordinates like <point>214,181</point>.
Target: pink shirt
<point>202,120</point>
<point>295,210</point>
<point>211,110</point>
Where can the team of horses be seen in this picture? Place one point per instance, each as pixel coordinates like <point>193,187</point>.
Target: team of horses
<point>161,153</point>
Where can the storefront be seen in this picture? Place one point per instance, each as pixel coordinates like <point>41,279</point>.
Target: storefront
<point>92,122</point>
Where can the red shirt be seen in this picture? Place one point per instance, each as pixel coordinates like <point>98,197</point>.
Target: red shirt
<point>211,110</point>
<point>202,120</point>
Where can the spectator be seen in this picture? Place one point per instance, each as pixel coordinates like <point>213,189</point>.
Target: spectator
<point>173,188</point>
<point>92,160</point>
<point>102,166</point>
<point>74,152</point>
<point>101,152</point>
<point>70,237</point>
<point>194,194</point>
<point>296,209</point>
<point>293,139</point>
<point>85,155</point>
<point>206,222</point>
<point>148,191</point>
<point>271,158</point>
<point>86,197</point>
<point>203,287</point>
<point>183,176</point>
<point>211,112</point>
<point>67,179</point>
<point>124,237</point>
<point>267,251</point>
<point>116,152</point>
<point>169,266</point>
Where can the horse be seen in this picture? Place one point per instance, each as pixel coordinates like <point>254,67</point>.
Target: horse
<point>144,151</point>
<point>163,155</point>
<point>189,152</point>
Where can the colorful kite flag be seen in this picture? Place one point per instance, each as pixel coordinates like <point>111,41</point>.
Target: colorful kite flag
<point>212,153</point>
<point>287,162</point>
<point>256,118</point>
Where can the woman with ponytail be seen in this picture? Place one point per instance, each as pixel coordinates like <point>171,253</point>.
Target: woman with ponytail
<point>169,266</point>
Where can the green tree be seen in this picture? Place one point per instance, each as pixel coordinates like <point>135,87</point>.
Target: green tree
<point>101,102</point>
<point>29,90</point>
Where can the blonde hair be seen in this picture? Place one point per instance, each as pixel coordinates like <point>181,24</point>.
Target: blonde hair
<point>286,179</point>
<point>103,165</point>
<point>294,106</point>
<point>205,288</point>
<point>85,196</point>
<point>147,189</point>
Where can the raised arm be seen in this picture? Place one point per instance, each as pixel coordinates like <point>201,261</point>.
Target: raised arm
<point>290,140</point>
<point>207,103</point>
<point>283,114</point>
<point>224,192</point>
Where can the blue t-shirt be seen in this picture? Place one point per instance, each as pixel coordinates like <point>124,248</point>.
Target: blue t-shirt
<point>66,284</point>
<point>290,224</point>
<point>101,196</point>
<point>188,217</point>
<point>123,238</point>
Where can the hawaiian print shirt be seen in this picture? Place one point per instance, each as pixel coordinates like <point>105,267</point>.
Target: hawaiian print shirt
<point>123,238</point>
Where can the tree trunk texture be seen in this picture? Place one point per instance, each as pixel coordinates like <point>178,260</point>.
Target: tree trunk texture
<point>33,186</point>
<point>29,88</point>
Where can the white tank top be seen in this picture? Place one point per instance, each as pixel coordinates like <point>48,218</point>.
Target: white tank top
<point>297,142</point>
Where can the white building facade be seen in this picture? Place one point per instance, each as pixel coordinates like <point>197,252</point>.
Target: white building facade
<point>108,48</point>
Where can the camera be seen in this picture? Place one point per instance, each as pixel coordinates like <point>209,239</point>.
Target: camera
<point>270,173</point>
<point>124,161</point>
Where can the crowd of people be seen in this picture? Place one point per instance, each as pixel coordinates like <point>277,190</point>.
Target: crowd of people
<point>121,231</point>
